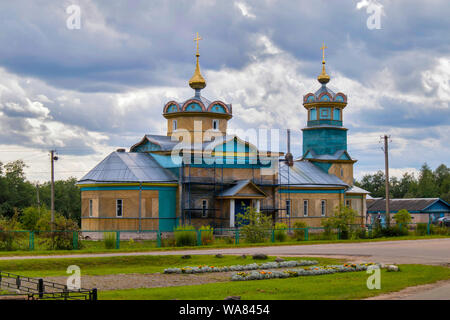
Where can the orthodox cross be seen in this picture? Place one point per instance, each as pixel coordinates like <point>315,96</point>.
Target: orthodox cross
<point>197,39</point>
<point>323,51</point>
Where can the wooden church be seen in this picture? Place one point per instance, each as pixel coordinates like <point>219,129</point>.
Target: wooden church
<point>199,174</point>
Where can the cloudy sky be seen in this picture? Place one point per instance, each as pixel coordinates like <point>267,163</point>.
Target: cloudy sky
<point>89,90</point>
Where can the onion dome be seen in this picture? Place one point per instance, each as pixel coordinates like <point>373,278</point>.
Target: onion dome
<point>197,104</point>
<point>197,82</point>
<point>324,94</point>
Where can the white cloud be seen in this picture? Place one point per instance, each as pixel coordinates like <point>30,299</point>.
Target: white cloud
<point>245,9</point>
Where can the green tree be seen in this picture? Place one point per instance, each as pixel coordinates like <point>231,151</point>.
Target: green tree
<point>374,183</point>
<point>402,216</point>
<point>342,219</point>
<point>427,187</point>
<point>255,225</point>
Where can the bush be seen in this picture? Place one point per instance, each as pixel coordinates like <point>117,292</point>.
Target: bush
<point>207,235</point>
<point>7,234</point>
<point>259,225</point>
<point>59,235</point>
<point>421,229</point>
<point>327,229</point>
<point>109,240</point>
<point>299,235</point>
<point>440,230</point>
<point>358,232</point>
<point>403,217</point>
<point>280,232</point>
<point>391,231</point>
<point>185,236</point>
<point>342,218</point>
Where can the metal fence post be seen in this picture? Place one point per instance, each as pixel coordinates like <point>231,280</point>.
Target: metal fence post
<point>273,235</point>
<point>117,239</point>
<point>199,237</point>
<point>41,288</point>
<point>306,234</point>
<point>75,240</point>
<point>31,240</point>
<point>236,237</point>
<point>94,294</point>
<point>158,239</point>
<point>428,228</point>
<point>339,234</point>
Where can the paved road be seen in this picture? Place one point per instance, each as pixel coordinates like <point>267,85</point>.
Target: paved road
<point>431,251</point>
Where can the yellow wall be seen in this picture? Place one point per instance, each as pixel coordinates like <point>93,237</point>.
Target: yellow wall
<point>104,205</point>
<point>347,177</point>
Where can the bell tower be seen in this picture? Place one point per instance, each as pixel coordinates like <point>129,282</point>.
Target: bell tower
<point>325,137</point>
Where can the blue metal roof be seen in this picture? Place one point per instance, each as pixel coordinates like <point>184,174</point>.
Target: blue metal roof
<point>128,167</point>
<point>304,173</point>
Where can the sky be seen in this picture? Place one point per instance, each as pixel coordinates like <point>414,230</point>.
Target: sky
<point>88,77</point>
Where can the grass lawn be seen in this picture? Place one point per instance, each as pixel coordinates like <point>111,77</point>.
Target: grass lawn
<point>324,287</point>
<point>127,264</point>
<point>137,246</point>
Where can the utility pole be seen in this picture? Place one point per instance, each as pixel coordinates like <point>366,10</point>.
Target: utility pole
<point>53,158</point>
<point>37,196</point>
<point>386,166</point>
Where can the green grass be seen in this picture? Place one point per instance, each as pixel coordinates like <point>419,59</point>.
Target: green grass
<point>338,286</point>
<point>126,264</point>
<point>145,246</point>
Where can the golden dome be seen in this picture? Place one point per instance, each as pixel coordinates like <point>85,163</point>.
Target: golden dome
<point>197,82</point>
<point>323,78</point>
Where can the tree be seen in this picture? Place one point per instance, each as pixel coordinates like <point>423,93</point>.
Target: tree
<point>343,217</point>
<point>427,187</point>
<point>402,216</point>
<point>255,225</point>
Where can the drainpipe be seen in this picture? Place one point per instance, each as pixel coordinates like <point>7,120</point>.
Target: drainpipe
<point>140,206</point>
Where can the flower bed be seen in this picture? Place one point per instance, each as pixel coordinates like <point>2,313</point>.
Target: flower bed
<point>253,266</point>
<point>310,271</point>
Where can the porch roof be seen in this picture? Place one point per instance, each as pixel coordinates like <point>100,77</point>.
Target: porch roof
<point>240,191</point>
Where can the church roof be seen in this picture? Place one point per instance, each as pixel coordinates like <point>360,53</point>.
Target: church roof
<point>239,185</point>
<point>306,174</point>
<point>128,167</point>
<point>357,190</point>
<point>338,155</point>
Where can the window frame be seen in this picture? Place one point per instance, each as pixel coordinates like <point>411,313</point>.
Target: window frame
<point>204,208</point>
<point>323,208</point>
<point>121,208</point>
<point>174,125</point>
<point>215,121</point>
<point>305,206</point>
<point>91,208</point>
<point>288,204</point>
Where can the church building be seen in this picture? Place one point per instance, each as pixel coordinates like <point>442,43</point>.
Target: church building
<point>200,175</point>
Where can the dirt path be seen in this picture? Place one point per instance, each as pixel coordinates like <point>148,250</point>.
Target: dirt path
<point>150,280</point>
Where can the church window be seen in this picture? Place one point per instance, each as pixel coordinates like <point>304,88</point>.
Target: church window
<point>342,172</point>
<point>313,114</point>
<point>288,208</point>
<point>119,208</point>
<point>174,125</point>
<point>337,114</point>
<point>324,208</point>
<point>325,113</point>
<point>305,208</point>
<point>348,203</point>
<point>91,207</point>
<point>204,208</point>
<point>215,125</point>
